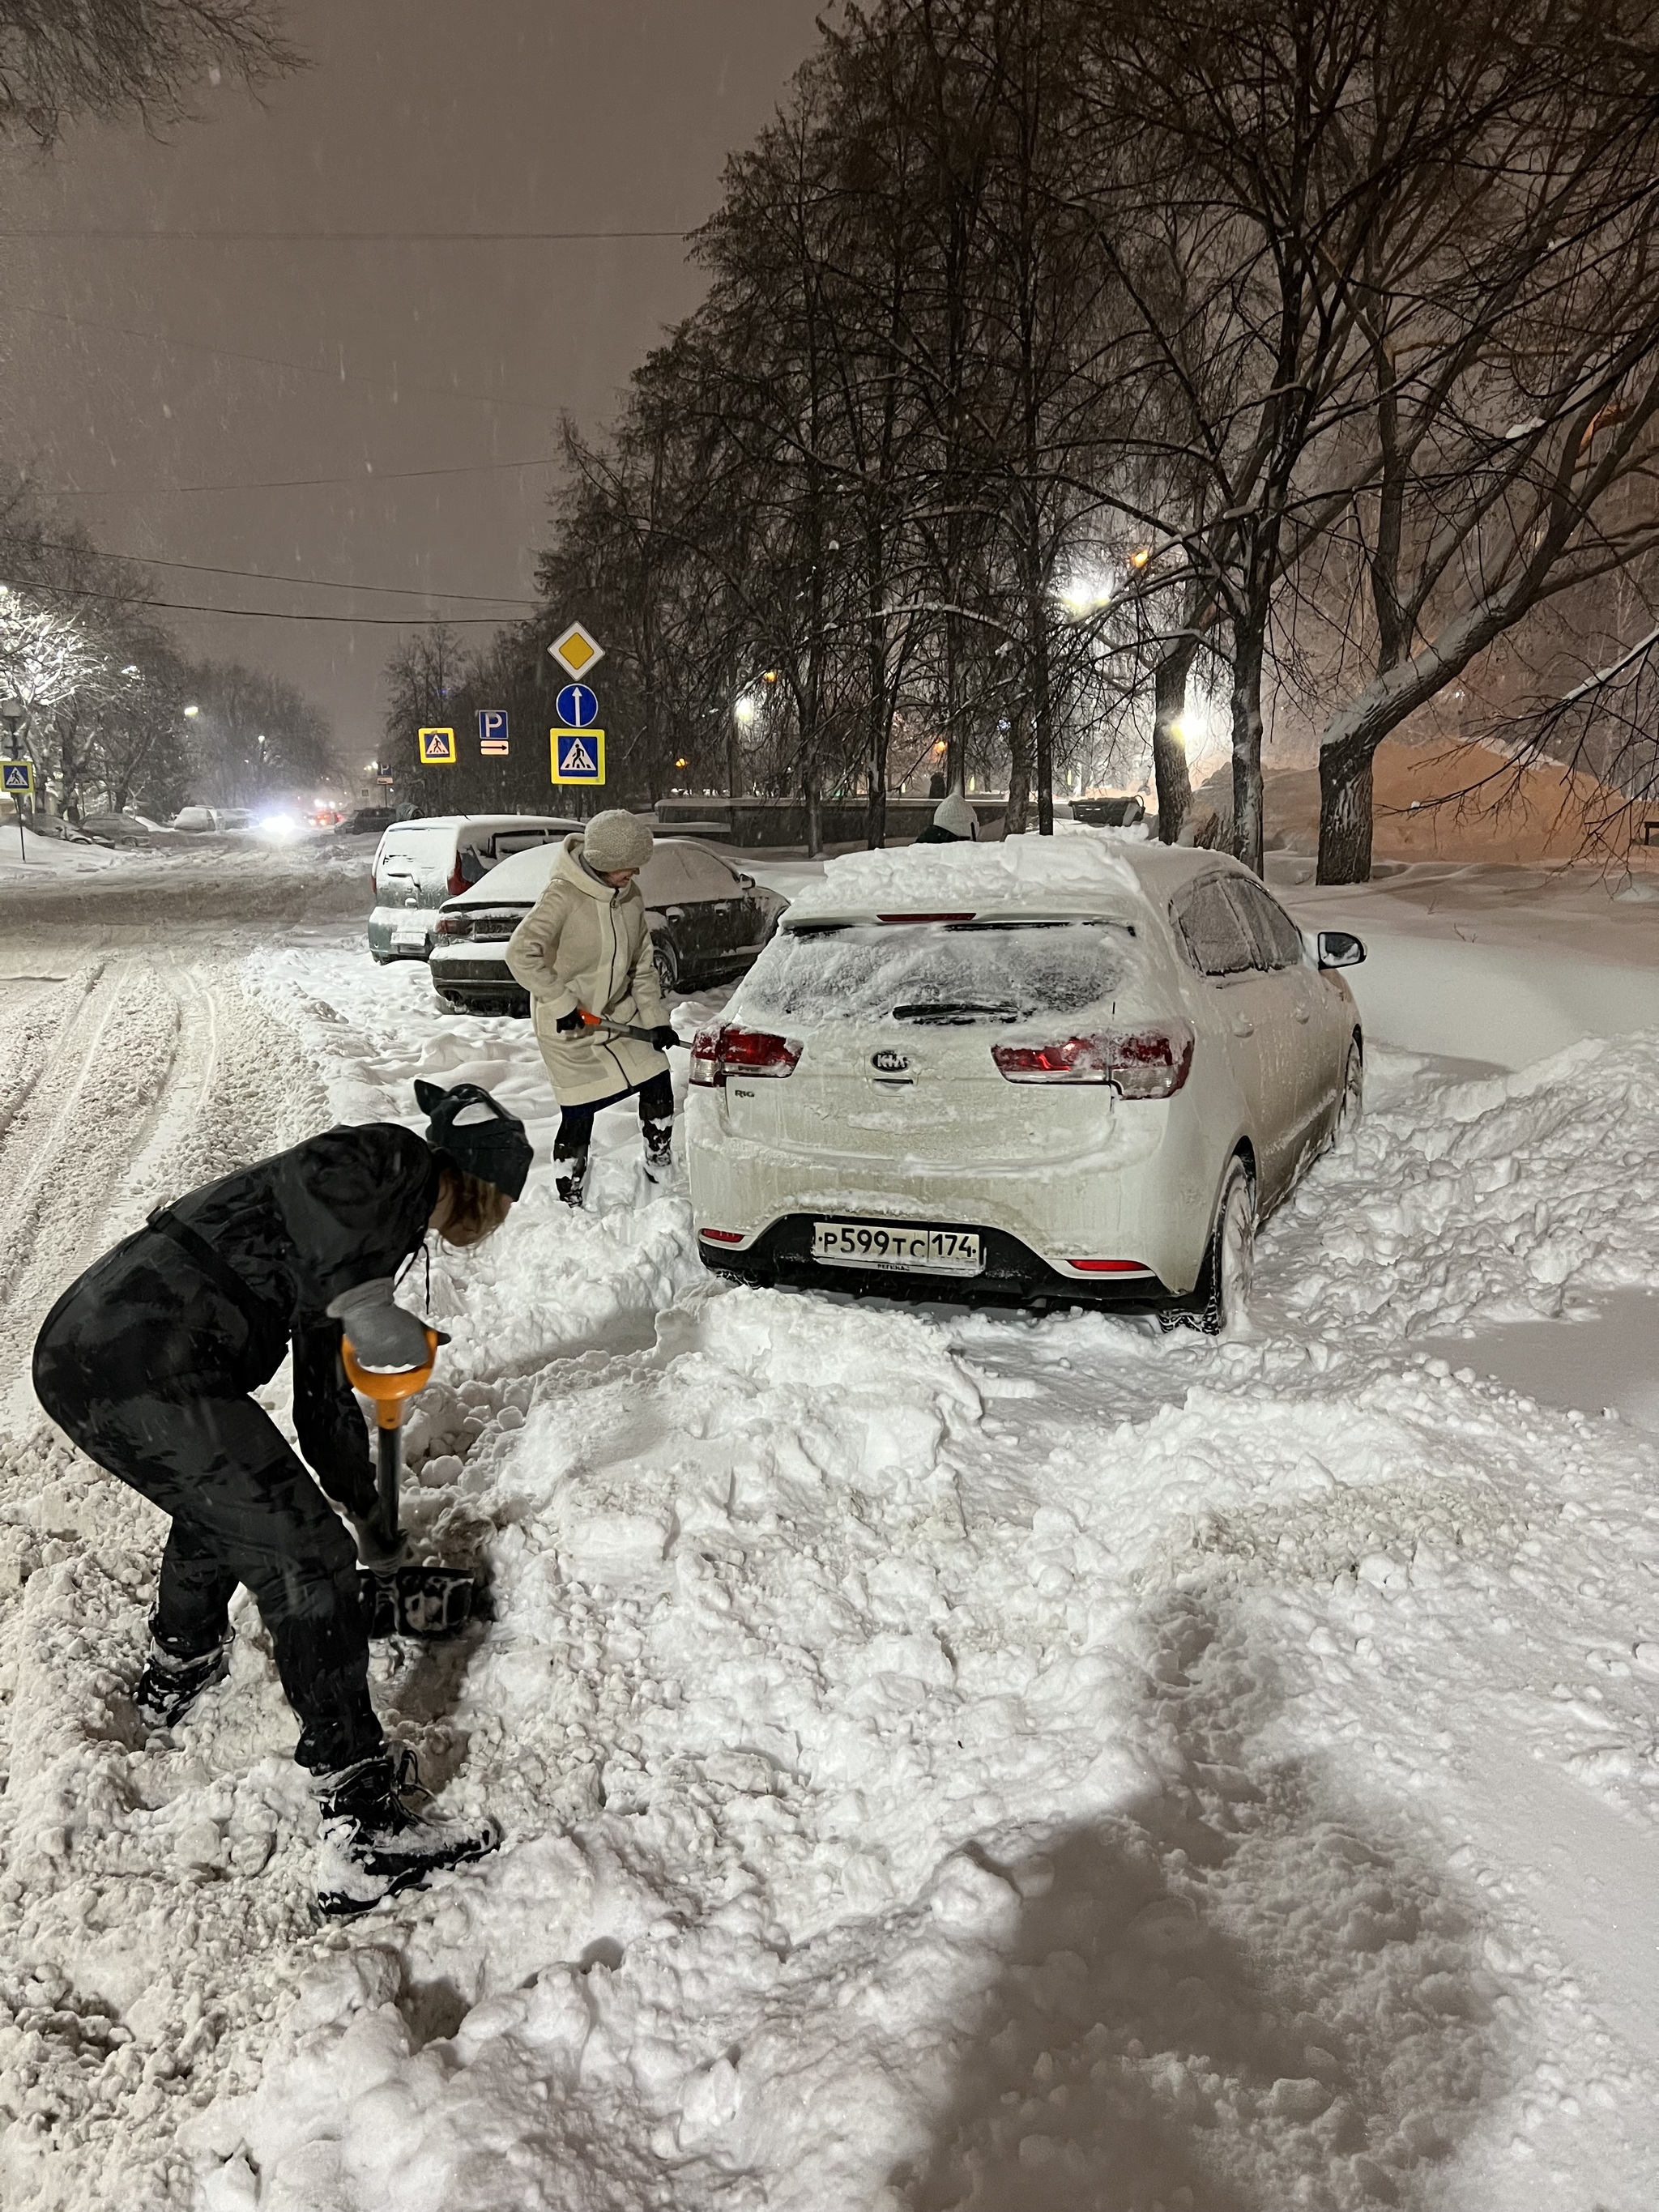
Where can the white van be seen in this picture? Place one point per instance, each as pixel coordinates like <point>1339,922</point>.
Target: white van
<point>418,865</point>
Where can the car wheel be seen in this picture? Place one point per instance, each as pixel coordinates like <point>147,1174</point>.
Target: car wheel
<point>668,965</point>
<point>1223,1288</point>
<point>380,959</point>
<point>1351,1105</point>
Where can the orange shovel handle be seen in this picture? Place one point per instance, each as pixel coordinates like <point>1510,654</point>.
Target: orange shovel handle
<point>388,1392</point>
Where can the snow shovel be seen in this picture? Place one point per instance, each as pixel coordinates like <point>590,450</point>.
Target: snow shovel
<point>618,1029</point>
<point>432,1602</point>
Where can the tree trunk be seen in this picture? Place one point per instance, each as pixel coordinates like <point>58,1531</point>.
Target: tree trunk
<point>1345,813</point>
<point>881,720</point>
<point>1019,773</point>
<point>1170,771</point>
<point>1247,745</point>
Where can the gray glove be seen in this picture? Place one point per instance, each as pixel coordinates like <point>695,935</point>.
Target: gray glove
<point>373,1550</point>
<point>385,1336</point>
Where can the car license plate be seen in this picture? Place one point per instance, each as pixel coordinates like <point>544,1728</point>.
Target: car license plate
<point>887,1245</point>
<point>406,940</point>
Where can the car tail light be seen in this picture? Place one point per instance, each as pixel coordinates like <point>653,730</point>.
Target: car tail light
<point>924,917</point>
<point>1109,1266</point>
<point>453,925</point>
<point>734,1050</point>
<point>721,1236</point>
<point>457,880</point>
<point>1145,1063</point>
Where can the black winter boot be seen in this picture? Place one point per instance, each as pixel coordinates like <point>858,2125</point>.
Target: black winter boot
<point>570,1177</point>
<point>375,1844</point>
<point>658,1149</point>
<point>169,1687</point>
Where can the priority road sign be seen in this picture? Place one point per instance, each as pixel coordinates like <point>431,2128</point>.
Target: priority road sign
<point>577,706</point>
<point>437,748</point>
<point>577,650</point>
<point>578,755</point>
<point>492,732</point>
<point>17,778</point>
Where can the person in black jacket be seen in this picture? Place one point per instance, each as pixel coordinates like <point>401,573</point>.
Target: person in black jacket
<point>148,1361</point>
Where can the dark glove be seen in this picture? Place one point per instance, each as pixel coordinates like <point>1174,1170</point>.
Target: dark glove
<point>664,1035</point>
<point>569,1023</point>
<point>385,1336</point>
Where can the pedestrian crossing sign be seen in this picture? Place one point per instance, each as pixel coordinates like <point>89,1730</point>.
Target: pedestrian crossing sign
<point>578,755</point>
<point>17,778</point>
<point>438,748</point>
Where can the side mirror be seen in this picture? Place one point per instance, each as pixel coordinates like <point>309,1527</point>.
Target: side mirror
<point>1339,948</point>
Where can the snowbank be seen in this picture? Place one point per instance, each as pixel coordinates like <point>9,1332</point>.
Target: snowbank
<point>926,878</point>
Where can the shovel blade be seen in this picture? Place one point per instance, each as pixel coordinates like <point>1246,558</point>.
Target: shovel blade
<point>430,1603</point>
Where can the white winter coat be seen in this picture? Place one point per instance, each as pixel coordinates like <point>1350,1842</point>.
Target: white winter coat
<point>584,944</point>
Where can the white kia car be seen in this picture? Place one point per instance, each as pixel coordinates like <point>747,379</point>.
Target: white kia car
<point>1051,1072</point>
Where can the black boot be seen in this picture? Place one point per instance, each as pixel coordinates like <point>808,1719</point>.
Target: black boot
<point>375,1844</point>
<point>658,1149</point>
<point>570,1176</point>
<point>169,1687</point>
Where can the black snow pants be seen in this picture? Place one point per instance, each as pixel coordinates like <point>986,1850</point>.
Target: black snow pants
<point>147,1363</point>
<point>656,1099</point>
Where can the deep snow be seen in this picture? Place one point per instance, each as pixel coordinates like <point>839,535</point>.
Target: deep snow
<point>945,1759</point>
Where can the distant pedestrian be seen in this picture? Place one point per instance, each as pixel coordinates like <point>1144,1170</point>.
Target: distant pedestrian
<point>954,823</point>
<point>584,949</point>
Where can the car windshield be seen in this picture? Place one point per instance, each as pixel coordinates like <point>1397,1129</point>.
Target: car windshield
<point>938,972</point>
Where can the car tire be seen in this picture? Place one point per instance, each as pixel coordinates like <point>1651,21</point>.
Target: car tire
<point>1223,1287</point>
<point>380,959</point>
<point>1351,1104</point>
<point>667,964</point>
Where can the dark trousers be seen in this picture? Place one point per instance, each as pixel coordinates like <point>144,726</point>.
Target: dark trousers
<point>575,1135</point>
<point>244,1510</point>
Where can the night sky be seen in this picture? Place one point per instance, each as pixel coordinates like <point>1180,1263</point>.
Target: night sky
<point>414,115</point>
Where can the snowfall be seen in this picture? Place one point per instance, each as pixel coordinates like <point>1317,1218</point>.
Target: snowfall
<point>945,1759</point>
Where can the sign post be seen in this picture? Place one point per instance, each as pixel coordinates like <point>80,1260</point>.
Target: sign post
<point>17,776</point>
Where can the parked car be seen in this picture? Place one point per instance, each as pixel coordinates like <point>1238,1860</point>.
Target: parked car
<point>707,922</point>
<point>359,821</point>
<point>1059,1096</point>
<point>418,865</point>
<point>197,819</point>
<point>119,828</point>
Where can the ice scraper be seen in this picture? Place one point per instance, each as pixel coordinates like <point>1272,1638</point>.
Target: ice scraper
<point>401,1600</point>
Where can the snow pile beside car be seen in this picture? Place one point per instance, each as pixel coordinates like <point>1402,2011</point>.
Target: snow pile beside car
<point>926,878</point>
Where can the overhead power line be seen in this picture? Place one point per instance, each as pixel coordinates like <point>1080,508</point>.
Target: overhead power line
<point>257,614</point>
<point>337,237</point>
<point>369,477</point>
<point>275,576</point>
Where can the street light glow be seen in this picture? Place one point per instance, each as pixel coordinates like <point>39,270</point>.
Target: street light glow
<point>747,707</point>
<point>1086,590</point>
<point>191,712</point>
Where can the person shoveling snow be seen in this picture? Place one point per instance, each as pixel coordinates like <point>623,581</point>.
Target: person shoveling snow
<point>584,949</point>
<point>147,1362</point>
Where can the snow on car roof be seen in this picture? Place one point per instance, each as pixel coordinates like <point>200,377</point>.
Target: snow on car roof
<point>1077,869</point>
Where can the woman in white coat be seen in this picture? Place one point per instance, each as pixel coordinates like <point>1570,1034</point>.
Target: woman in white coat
<point>584,949</point>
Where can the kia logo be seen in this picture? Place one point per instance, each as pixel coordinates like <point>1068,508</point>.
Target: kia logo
<point>890,1063</point>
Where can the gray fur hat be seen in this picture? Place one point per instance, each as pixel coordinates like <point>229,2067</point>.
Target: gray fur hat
<point>955,815</point>
<point>616,839</point>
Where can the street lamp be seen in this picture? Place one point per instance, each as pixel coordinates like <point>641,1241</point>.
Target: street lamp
<point>191,712</point>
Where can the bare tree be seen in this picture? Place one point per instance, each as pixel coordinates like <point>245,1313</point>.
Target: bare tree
<point>61,59</point>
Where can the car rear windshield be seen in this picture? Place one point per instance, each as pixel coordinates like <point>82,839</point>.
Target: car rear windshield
<point>938,972</point>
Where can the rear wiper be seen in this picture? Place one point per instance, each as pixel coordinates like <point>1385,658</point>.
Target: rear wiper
<point>956,1009</point>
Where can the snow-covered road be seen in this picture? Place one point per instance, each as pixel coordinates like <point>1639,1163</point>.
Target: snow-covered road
<point>946,1759</point>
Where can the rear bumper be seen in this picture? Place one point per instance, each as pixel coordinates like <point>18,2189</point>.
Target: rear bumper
<point>476,981</point>
<point>1013,1275</point>
<point>386,923</point>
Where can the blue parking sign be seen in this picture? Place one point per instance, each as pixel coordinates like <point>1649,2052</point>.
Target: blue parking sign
<point>492,732</point>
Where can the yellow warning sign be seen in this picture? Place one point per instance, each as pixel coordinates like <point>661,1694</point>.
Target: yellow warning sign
<point>438,748</point>
<point>577,650</point>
